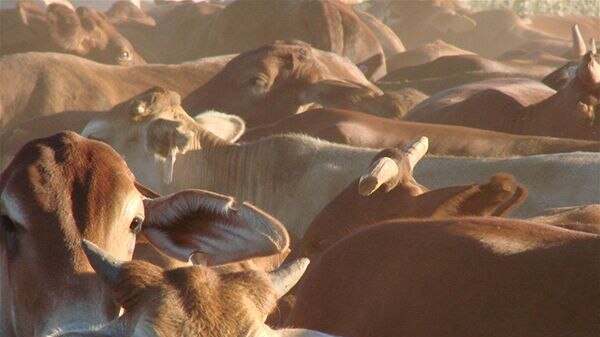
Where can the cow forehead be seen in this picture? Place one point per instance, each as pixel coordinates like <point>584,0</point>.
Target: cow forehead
<point>49,174</point>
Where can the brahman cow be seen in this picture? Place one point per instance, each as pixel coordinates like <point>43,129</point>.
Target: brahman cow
<point>273,81</point>
<point>63,188</point>
<point>521,106</point>
<point>359,129</point>
<point>161,144</point>
<point>83,32</point>
<point>461,277</point>
<point>327,25</point>
<point>488,33</point>
<point>192,301</point>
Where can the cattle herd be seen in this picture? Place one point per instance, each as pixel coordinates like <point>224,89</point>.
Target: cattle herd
<point>171,168</point>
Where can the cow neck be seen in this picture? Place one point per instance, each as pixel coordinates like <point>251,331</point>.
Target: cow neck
<point>550,114</point>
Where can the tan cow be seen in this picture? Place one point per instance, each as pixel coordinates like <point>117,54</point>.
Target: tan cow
<point>327,25</point>
<point>272,81</point>
<point>83,32</point>
<point>582,218</point>
<point>293,176</point>
<point>521,106</point>
<point>191,301</point>
<point>63,188</point>
<point>462,277</point>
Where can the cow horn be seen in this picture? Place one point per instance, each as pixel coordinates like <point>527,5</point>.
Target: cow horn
<point>286,276</point>
<point>416,150</point>
<point>105,265</point>
<point>378,174</point>
<point>593,48</point>
<point>579,48</point>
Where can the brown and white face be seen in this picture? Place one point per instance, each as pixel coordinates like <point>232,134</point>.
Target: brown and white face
<point>83,32</point>
<point>56,191</point>
<point>281,79</point>
<point>61,189</point>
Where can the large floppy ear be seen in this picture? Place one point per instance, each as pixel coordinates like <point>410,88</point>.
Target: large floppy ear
<point>335,93</point>
<point>195,221</point>
<point>225,126</point>
<point>125,12</point>
<point>166,138</point>
<point>496,198</point>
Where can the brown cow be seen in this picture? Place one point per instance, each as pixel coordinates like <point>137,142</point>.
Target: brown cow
<point>84,32</point>
<point>403,197</point>
<point>359,129</point>
<point>488,33</point>
<point>461,277</point>
<point>192,301</point>
<point>521,106</point>
<point>63,188</point>
<point>284,78</point>
<point>423,54</point>
<point>327,25</point>
<point>271,82</point>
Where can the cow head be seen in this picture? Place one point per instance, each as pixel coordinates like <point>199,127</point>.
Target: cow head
<point>388,191</point>
<point>125,12</point>
<point>281,79</point>
<point>192,301</point>
<point>155,122</point>
<point>84,32</point>
<point>61,189</point>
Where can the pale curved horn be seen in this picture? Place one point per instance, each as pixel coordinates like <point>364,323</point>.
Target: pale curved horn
<point>416,150</point>
<point>106,266</point>
<point>579,47</point>
<point>378,174</point>
<point>286,276</point>
<point>593,48</point>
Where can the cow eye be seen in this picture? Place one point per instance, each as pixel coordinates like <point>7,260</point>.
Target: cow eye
<point>257,81</point>
<point>124,55</point>
<point>136,225</point>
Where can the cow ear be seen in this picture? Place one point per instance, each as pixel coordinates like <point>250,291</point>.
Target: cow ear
<point>335,93</point>
<point>125,12</point>
<point>496,198</point>
<point>166,139</point>
<point>225,126</point>
<point>32,16</point>
<point>63,23</point>
<point>195,221</point>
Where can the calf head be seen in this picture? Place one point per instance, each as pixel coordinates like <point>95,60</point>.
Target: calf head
<point>191,301</point>
<point>388,191</point>
<point>84,32</point>
<point>61,189</point>
<point>281,79</point>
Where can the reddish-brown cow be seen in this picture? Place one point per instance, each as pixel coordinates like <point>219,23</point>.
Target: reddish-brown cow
<point>61,189</point>
<point>462,277</point>
<point>84,32</point>
<point>520,106</point>
<point>359,129</point>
